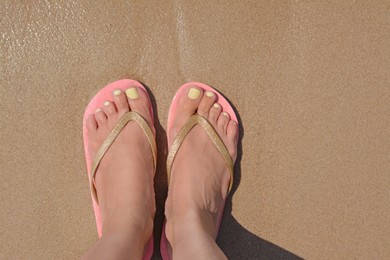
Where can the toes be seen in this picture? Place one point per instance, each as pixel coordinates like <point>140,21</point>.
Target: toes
<point>120,101</point>
<point>91,123</point>
<point>206,103</point>
<point>109,108</point>
<point>100,117</point>
<point>223,121</point>
<point>232,131</point>
<point>139,102</point>
<point>214,113</point>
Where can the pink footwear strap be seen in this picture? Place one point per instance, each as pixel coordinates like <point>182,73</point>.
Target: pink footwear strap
<point>199,120</point>
<point>129,116</point>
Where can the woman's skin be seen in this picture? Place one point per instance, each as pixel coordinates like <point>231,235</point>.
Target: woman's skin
<point>124,180</point>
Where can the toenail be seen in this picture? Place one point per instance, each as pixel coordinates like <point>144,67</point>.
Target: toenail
<point>98,110</point>
<point>132,93</point>
<point>117,92</point>
<point>225,114</point>
<point>106,103</point>
<point>194,93</point>
<point>216,105</point>
<point>209,94</point>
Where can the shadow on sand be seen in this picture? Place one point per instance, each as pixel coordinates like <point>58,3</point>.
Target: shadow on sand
<point>239,243</point>
<point>236,241</point>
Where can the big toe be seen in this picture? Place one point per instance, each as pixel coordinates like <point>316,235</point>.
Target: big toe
<point>188,104</point>
<point>139,102</point>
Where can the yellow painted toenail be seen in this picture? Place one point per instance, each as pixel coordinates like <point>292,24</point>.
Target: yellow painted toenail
<point>216,105</point>
<point>107,103</point>
<point>194,93</point>
<point>209,94</point>
<point>132,93</point>
<point>98,110</point>
<point>117,92</point>
<point>225,114</point>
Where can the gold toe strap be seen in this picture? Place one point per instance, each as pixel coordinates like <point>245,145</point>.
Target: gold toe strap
<point>199,120</point>
<point>129,116</point>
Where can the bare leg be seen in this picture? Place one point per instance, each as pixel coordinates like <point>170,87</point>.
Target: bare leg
<point>199,180</point>
<point>124,179</point>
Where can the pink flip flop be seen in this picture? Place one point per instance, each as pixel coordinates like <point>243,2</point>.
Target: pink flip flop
<point>196,119</point>
<point>97,102</point>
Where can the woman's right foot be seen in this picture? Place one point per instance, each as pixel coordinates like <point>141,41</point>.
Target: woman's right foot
<point>200,177</point>
<point>124,177</point>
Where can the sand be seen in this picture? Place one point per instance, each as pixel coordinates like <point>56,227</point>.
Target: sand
<point>310,81</point>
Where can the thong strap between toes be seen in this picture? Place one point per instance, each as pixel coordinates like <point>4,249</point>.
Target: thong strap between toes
<point>204,123</point>
<point>127,117</point>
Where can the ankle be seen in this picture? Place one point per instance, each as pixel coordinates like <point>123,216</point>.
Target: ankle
<point>128,226</point>
<point>185,225</point>
<point>114,245</point>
